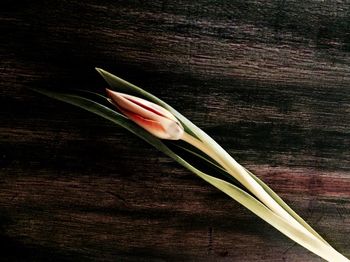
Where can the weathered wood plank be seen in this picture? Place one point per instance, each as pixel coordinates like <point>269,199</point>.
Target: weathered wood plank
<point>269,80</point>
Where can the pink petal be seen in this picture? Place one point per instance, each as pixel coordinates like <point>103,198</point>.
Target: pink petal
<point>150,106</point>
<point>155,119</point>
<point>122,102</point>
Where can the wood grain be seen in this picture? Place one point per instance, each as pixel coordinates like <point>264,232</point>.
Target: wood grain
<point>269,80</point>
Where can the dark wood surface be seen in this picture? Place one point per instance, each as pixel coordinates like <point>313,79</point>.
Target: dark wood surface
<point>269,80</point>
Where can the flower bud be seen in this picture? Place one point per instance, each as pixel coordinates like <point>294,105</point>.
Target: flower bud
<point>152,117</point>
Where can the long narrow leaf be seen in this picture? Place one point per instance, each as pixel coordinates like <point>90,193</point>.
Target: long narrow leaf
<point>268,189</point>
<point>124,86</point>
<point>313,244</point>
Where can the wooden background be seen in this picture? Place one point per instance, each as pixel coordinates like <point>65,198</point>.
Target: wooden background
<point>269,80</point>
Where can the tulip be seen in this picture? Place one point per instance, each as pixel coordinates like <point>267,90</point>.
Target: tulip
<point>155,119</point>
<point>255,194</point>
<point>163,124</point>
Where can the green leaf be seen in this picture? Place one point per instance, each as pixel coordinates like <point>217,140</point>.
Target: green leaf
<point>104,112</point>
<point>313,244</point>
<point>267,188</point>
<point>124,86</point>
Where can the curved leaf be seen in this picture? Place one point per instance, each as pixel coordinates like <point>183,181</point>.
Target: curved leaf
<point>124,86</point>
<point>311,243</point>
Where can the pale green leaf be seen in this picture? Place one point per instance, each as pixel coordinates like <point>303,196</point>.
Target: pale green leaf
<point>311,243</point>
<point>124,86</point>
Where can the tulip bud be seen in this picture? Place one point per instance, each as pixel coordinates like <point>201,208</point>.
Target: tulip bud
<point>152,117</point>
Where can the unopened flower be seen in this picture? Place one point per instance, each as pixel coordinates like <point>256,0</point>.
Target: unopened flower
<point>152,117</point>
<point>253,193</point>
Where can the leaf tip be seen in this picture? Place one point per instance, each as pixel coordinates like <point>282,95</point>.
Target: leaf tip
<point>103,73</point>
<point>100,70</point>
<point>37,90</point>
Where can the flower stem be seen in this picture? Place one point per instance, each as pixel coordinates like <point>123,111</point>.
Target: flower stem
<point>237,171</point>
